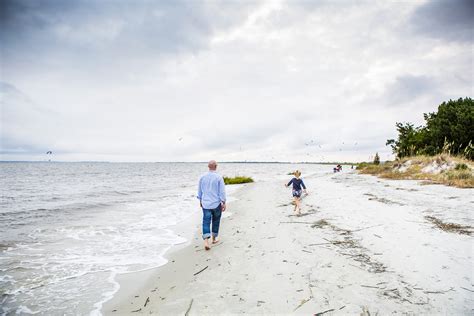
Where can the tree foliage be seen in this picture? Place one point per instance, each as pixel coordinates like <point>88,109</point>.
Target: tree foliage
<point>376,159</point>
<point>450,130</point>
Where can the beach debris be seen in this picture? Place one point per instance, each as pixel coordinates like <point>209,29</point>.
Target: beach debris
<point>260,303</point>
<point>137,310</point>
<point>295,223</point>
<point>450,227</point>
<point>466,289</point>
<point>146,302</point>
<point>373,197</point>
<point>320,224</point>
<point>322,313</point>
<point>189,307</point>
<point>438,292</point>
<point>365,311</point>
<point>370,286</point>
<point>304,301</point>
<point>357,230</point>
<point>201,270</point>
<point>307,251</point>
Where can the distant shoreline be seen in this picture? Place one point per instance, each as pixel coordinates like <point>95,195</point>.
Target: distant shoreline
<point>190,162</point>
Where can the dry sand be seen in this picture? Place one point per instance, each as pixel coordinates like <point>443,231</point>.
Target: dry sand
<point>362,246</point>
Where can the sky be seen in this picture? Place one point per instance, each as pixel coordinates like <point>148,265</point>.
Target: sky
<point>272,80</point>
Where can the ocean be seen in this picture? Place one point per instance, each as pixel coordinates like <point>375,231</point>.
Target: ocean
<point>68,229</point>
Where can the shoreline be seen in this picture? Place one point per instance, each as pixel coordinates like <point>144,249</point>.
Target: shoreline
<point>355,250</point>
<point>134,282</point>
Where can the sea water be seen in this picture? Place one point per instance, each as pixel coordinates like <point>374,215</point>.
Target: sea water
<point>67,229</point>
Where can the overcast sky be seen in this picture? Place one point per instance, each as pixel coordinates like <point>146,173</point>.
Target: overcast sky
<point>225,80</point>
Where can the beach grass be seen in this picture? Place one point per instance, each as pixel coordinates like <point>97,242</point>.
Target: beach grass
<point>237,180</point>
<point>440,169</point>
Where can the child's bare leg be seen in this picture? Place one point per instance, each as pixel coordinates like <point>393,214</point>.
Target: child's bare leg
<point>298,206</point>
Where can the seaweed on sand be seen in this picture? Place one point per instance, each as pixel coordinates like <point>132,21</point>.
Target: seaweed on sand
<point>450,227</point>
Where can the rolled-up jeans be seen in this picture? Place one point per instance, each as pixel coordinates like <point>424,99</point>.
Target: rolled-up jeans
<point>208,216</point>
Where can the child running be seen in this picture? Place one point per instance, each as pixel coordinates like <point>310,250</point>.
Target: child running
<point>297,185</point>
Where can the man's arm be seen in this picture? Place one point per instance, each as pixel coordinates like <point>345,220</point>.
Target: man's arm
<point>222,196</point>
<point>199,194</point>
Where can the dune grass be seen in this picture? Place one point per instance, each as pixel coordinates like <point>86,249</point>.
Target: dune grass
<point>459,172</point>
<point>237,180</point>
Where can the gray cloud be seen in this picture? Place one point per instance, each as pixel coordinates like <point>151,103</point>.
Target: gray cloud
<point>184,80</point>
<point>450,20</point>
<point>409,88</point>
<point>111,32</point>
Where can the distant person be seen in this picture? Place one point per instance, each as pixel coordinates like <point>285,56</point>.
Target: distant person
<point>298,188</point>
<point>211,195</point>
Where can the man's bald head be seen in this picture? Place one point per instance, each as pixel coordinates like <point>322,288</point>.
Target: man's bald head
<point>212,165</point>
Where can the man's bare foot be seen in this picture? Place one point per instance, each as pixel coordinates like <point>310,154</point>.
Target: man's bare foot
<point>206,244</point>
<point>215,240</point>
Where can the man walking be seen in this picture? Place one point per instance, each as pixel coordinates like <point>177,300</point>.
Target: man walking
<point>211,194</point>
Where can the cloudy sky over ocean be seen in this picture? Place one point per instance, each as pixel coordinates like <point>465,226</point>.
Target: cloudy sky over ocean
<point>229,80</point>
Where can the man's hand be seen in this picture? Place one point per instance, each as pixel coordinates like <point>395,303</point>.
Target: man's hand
<point>223,206</point>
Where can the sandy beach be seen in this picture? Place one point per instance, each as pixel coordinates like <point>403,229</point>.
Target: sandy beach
<point>362,246</point>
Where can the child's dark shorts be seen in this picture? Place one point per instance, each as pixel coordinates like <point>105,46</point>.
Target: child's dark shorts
<point>296,193</point>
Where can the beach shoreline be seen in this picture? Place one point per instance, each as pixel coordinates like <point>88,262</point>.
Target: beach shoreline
<point>134,282</point>
<point>361,246</point>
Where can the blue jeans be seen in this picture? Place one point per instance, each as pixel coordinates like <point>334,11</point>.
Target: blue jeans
<point>209,216</point>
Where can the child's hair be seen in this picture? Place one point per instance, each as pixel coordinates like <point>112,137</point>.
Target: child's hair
<point>297,173</point>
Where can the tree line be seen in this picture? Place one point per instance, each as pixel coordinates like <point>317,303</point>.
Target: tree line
<point>449,130</point>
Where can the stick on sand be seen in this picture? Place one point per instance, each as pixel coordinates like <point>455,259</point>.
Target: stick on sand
<point>201,270</point>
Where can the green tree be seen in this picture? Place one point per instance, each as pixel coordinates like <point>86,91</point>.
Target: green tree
<point>377,159</point>
<point>452,126</point>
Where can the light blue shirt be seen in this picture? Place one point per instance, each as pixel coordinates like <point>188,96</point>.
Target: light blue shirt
<point>211,190</point>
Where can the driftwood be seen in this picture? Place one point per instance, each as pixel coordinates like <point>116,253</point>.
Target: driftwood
<point>146,302</point>
<point>302,303</point>
<point>136,311</point>
<point>357,230</point>
<point>330,242</point>
<point>438,292</point>
<point>189,307</point>
<point>201,270</point>
<point>466,289</point>
<point>329,310</point>
<point>373,287</point>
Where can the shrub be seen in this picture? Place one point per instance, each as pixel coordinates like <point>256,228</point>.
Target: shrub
<point>237,180</point>
<point>461,166</point>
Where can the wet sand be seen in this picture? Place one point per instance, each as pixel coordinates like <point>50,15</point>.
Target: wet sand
<point>363,246</point>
